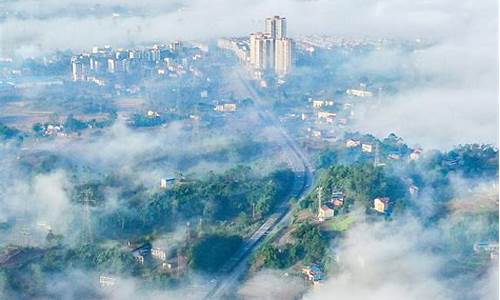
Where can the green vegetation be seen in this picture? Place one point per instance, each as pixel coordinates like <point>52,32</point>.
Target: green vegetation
<point>361,184</point>
<point>341,223</point>
<point>309,245</point>
<point>236,195</point>
<point>139,120</point>
<point>211,252</point>
<point>8,132</point>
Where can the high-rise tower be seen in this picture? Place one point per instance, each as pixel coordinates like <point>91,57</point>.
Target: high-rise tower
<point>276,27</point>
<point>271,51</point>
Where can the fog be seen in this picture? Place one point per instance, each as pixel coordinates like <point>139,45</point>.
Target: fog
<point>153,20</point>
<point>447,95</point>
<point>395,260</point>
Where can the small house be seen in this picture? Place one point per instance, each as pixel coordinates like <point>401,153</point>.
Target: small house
<point>381,204</point>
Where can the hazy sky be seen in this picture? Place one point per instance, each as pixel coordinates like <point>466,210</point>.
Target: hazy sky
<point>458,104</point>
<point>81,24</point>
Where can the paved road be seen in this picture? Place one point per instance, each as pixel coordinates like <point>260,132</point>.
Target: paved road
<point>299,163</point>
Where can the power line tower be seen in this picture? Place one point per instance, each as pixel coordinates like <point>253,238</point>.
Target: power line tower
<point>376,160</point>
<point>87,223</point>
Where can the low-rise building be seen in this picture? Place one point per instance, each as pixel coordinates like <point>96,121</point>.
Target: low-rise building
<point>394,156</point>
<point>325,212</point>
<point>416,154</point>
<point>359,93</point>
<point>381,204</point>
<point>166,182</point>
<point>106,281</point>
<point>314,273</point>
<point>337,199</point>
<point>226,107</point>
<point>159,254</point>
<point>352,143</point>
<point>366,148</point>
<point>329,117</point>
<point>482,247</point>
<point>322,103</point>
<point>413,189</point>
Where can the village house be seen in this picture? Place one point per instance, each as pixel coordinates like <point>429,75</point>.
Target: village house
<point>366,148</point>
<point>358,93</point>
<point>337,199</point>
<point>325,212</point>
<point>321,103</point>
<point>226,107</point>
<point>314,273</point>
<point>352,143</point>
<point>329,117</point>
<point>159,254</point>
<point>413,189</point>
<point>166,182</point>
<point>381,204</point>
<point>106,281</point>
<point>152,114</point>
<point>416,154</point>
<point>394,156</point>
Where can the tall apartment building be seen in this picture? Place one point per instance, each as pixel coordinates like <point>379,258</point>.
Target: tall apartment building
<point>271,51</point>
<point>283,58</point>
<point>276,27</point>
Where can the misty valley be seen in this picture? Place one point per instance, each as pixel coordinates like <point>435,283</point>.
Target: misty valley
<point>277,164</point>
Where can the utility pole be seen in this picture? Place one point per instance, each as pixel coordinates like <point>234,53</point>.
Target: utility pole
<point>320,195</point>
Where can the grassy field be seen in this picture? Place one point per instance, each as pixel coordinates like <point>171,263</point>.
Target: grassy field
<point>340,223</point>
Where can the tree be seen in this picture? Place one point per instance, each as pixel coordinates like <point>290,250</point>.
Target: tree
<point>211,252</point>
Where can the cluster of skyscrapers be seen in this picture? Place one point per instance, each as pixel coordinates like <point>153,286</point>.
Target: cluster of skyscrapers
<point>271,50</point>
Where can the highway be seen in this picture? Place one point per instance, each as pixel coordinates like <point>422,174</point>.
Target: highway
<point>238,265</point>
